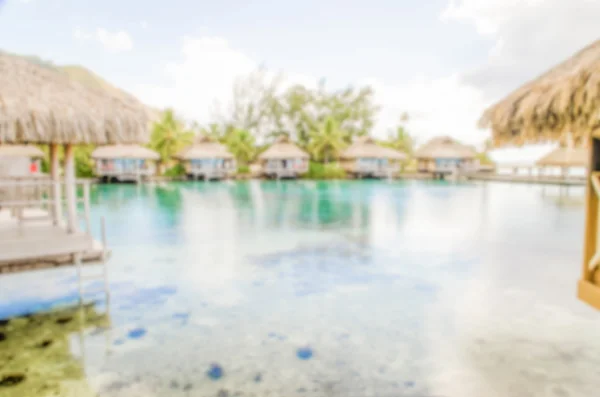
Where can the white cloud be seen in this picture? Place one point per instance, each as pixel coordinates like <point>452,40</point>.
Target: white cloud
<point>203,77</point>
<point>115,42</point>
<point>530,37</point>
<point>144,24</point>
<point>119,41</point>
<point>436,107</point>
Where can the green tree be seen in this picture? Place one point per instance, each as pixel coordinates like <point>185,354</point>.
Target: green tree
<point>169,137</point>
<point>84,164</point>
<point>401,140</point>
<point>254,104</point>
<point>483,156</point>
<point>241,144</point>
<point>327,141</point>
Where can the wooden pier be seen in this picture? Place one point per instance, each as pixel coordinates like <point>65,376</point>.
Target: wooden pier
<point>531,179</point>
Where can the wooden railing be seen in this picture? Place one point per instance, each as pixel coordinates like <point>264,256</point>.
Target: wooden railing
<point>20,193</point>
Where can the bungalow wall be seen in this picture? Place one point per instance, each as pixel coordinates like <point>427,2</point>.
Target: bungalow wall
<point>285,167</point>
<point>19,166</point>
<point>215,167</point>
<point>371,166</point>
<point>446,165</point>
<point>125,169</point>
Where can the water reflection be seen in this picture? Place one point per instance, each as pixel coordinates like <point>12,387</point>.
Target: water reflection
<point>397,288</point>
<point>39,355</point>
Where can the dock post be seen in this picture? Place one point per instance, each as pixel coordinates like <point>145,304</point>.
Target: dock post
<point>86,206</point>
<point>104,266</point>
<point>56,188</point>
<point>70,188</point>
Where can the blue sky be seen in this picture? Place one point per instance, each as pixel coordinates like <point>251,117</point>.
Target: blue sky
<point>442,61</point>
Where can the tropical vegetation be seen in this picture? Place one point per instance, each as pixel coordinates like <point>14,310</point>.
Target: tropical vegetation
<point>320,120</point>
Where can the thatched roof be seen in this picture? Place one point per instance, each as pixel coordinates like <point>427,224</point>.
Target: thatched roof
<point>20,151</point>
<point>205,148</point>
<point>366,147</point>
<point>124,152</point>
<point>565,157</point>
<point>445,147</point>
<point>283,148</point>
<point>563,99</point>
<point>41,105</point>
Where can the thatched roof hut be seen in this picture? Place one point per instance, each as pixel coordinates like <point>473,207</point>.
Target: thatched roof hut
<point>565,157</point>
<point>366,147</point>
<point>564,99</point>
<point>445,147</point>
<point>124,152</point>
<point>283,148</point>
<point>30,151</point>
<point>41,105</point>
<point>205,148</point>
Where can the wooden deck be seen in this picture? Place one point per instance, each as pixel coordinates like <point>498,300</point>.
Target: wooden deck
<point>35,243</point>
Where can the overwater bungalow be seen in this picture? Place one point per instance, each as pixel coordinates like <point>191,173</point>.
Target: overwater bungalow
<point>366,159</point>
<point>43,106</point>
<point>563,100</point>
<point>283,159</point>
<point>444,156</point>
<point>564,158</point>
<point>207,159</point>
<point>18,161</point>
<point>124,162</point>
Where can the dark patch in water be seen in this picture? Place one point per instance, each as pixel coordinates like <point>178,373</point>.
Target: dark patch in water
<point>258,378</point>
<point>136,333</point>
<point>188,386</point>
<point>301,390</point>
<point>304,353</point>
<point>2,336</point>
<point>11,380</point>
<point>181,316</point>
<point>272,335</point>
<point>215,372</point>
<point>174,384</point>
<point>45,344</point>
<point>409,383</point>
<point>223,393</point>
<point>118,342</point>
<point>63,320</point>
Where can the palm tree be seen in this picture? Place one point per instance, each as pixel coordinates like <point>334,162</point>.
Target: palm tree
<point>401,140</point>
<point>169,137</point>
<point>326,141</point>
<point>241,144</point>
<point>214,131</point>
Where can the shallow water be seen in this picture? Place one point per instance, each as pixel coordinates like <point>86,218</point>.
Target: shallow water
<point>387,288</point>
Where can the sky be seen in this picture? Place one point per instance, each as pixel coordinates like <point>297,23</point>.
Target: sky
<point>441,61</point>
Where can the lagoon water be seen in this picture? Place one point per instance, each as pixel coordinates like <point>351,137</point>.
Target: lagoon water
<point>370,288</point>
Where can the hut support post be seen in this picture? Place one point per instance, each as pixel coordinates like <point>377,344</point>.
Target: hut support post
<point>589,288</point>
<point>70,188</point>
<point>56,188</point>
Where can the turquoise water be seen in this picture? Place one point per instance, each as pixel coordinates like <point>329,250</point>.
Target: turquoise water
<point>335,289</point>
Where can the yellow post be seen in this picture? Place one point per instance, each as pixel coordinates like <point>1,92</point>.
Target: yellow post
<point>589,285</point>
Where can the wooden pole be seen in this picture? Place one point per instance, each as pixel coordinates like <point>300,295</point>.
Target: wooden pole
<point>56,188</point>
<point>70,188</point>
<point>588,291</point>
